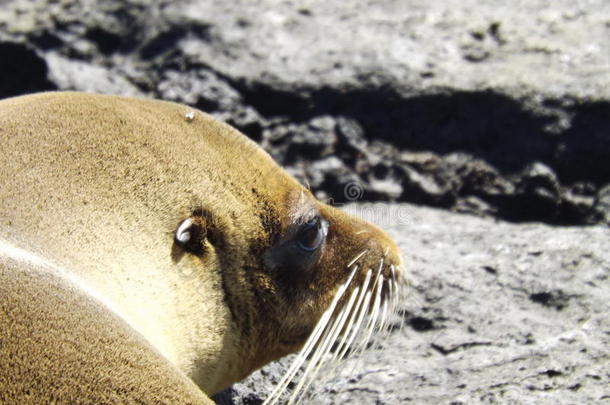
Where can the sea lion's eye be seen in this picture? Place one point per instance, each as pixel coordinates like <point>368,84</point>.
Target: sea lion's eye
<point>311,234</point>
<point>300,248</point>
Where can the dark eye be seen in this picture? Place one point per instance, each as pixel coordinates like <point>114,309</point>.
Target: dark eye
<point>298,251</point>
<point>311,234</point>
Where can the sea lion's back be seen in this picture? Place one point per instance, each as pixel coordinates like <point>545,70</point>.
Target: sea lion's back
<point>59,345</point>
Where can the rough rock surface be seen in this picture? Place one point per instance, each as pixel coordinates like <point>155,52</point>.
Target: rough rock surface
<point>498,313</point>
<point>496,108</point>
<point>501,109</point>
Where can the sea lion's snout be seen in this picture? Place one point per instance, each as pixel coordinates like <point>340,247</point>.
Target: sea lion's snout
<point>356,285</point>
<point>367,249</point>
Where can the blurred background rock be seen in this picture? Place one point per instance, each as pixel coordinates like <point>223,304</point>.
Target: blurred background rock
<point>495,108</point>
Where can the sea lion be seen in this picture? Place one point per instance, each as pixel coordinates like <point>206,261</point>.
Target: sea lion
<point>180,244</point>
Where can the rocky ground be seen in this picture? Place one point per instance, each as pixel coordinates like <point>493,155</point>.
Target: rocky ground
<point>498,109</point>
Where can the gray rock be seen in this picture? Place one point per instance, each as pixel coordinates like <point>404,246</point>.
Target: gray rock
<point>424,188</point>
<point>351,136</point>
<point>536,47</point>
<point>538,178</point>
<point>73,74</point>
<point>602,203</point>
<point>387,186</point>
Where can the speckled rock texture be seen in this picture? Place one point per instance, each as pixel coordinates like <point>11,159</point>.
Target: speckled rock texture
<point>497,109</point>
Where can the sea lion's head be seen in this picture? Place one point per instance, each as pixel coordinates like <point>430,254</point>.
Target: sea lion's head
<point>293,267</point>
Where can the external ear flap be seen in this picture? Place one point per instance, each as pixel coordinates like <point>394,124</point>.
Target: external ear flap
<point>191,234</point>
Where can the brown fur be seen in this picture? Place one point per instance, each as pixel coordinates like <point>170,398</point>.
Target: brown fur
<point>97,185</point>
<point>60,346</point>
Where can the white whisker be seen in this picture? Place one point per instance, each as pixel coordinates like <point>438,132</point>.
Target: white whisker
<point>402,289</point>
<point>396,298</point>
<point>347,331</point>
<point>339,350</point>
<point>393,300</point>
<point>377,286</point>
<point>372,320</point>
<point>358,326</point>
<point>355,259</point>
<point>310,343</point>
<point>360,310</point>
<point>378,273</point>
<point>349,323</point>
<point>395,290</point>
<point>322,350</point>
<point>384,318</point>
<point>312,362</point>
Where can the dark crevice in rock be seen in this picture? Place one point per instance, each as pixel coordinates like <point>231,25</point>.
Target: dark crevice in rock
<point>22,70</point>
<point>227,397</point>
<point>464,346</point>
<point>494,154</point>
<point>46,41</point>
<point>486,124</point>
<point>107,42</point>
<point>552,373</point>
<point>556,299</point>
<point>421,324</point>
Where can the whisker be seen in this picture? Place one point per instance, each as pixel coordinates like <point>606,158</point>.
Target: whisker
<point>340,347</point>
<point>360,309</point>
<point>377,286</point>
<point>401,287</point>
<point>384,318</point>
<point>350,322</point>
<point>355,259</point>
<point>372,320</point>
<point>360,300</point>
<point>395,290</point>
<point>310,343</point>
<point>403,291</point>
<point>378,273</point>
<point>358,326</point>
<point>348,330</point>
<point>393,306</point>
<point>308,370</point>
<point>323,349</point>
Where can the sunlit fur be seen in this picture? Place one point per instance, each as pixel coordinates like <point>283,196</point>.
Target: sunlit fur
<point>185,229</point>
